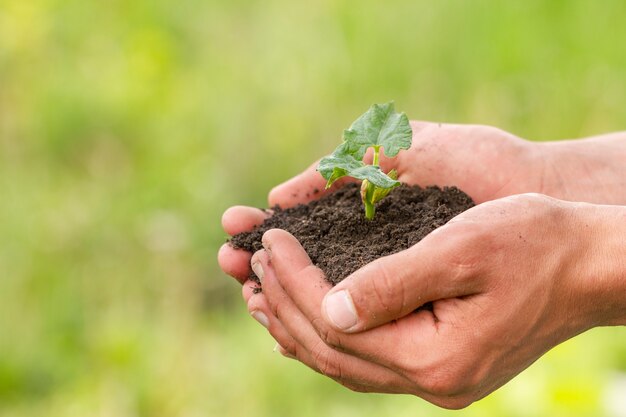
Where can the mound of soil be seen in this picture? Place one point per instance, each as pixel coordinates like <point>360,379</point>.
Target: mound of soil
<point>339,239</point>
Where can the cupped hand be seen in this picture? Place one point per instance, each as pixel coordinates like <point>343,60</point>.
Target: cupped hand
<point>483,161</point>
<point>507,281</point>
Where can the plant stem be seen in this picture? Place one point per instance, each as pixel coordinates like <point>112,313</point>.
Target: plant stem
<point>370,210</point>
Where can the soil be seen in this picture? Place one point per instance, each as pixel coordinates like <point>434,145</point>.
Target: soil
<point>339,239</point>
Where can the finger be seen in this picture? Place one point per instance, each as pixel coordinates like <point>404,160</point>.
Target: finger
<point>438,267</point>
<point>417,347</point>
<point>310,185</point>
<point>313,351</point>
<point>374,382</point>
<point>259,310</point>
<point>305,287</point>
<point>350,385</point>
<point>238,219</point>
<point>234,262</point>
<point>287,346</point>
<point>304,187</point>
<point>248,289</point>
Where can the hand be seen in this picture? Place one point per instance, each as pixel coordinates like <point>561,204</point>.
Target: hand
<point>508,280</point>
<point>483,161</point>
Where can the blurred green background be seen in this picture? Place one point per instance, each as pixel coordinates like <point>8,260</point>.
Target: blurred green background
<point>127,127</point>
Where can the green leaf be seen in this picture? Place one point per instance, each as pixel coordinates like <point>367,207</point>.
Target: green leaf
<point>380,126</point>
<point>335,166</point>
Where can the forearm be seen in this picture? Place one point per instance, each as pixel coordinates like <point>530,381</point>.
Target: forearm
<point>591,170</point>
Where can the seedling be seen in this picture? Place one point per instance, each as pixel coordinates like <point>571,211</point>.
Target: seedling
<point>380,127</point>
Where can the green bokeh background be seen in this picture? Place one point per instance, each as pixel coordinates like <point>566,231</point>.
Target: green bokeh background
<point>127,127</point>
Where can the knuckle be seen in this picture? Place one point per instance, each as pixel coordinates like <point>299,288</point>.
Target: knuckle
<point>483,130</point>
<point>328,336</point>
<point>462,260</point>
<point>533,196</point>
<point>277,310</point>
<point>441,386</point>
<point>444,383</point>
<point>325,361</point>
<point>458,403</point>
<point>387,290</point>
<point>530,199</point>
<point>531,207</point>
<point>465,256</point>
<point>355,388</point>
<point>285,344</point>
<point>293,349</point>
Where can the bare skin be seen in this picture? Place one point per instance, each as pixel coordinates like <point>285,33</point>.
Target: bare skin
<point>509,279</point>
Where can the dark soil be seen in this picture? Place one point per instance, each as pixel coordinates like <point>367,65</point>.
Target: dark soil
<point>339,240</point>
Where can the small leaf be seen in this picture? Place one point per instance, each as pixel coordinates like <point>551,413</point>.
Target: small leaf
<point>334,167</point>
<point>380,126</point>
<point>374,175</point>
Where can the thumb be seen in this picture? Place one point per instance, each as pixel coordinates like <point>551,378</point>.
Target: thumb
<point>396,285</point>
<point>309,185</point>
<point>304,187</point>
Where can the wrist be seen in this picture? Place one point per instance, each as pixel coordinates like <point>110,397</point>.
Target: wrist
<point>601,277</point>
<point>590,170</point>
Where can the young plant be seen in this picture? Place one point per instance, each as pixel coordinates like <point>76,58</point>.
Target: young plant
<point>380,127</point>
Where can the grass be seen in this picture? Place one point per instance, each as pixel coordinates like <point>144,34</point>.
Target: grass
<point>126,128</point>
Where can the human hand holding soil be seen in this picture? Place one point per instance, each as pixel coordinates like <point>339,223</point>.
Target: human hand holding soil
<point>503,292</point>
<point>485,162</point>
<point>509,333</point>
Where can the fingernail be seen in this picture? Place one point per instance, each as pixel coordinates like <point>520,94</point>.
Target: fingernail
<point>261,318</point>
<point>266,245</point>
<point>258,270</point>
<point>278,348</point>
<point>340,310</point>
